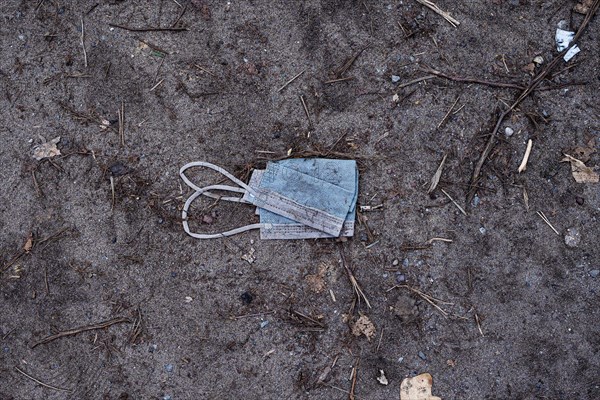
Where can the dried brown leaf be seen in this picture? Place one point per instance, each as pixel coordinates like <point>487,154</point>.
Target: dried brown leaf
<point>46,150</point>
<point>417,388</point>
<point>363,326</point>
<point>581,172</point>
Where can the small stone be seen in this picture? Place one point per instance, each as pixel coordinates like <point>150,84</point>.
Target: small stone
<point>482,230</point>
<point>579,200</point>
<point>400,277</point>
<point>169,367</point>
<point>5,349</point>
<point>508,131</point>
<point>422,356</point>
<point>573,237</point>
<point>173,274</point>
<point>152,348</point>
<point>400,359</point>
<point>476,200</point>
<point>167,397</point>
<point>594,273</point>
<point>263,324</point>
<point>363,237</point>
<point>395,262</point>
<point>405,263</point>
<point>538,60</point>
<point>395,78</point>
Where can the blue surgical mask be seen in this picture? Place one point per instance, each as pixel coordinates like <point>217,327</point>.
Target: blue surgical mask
<point>296,198</point>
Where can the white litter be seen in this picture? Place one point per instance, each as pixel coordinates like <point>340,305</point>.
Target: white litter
<point>563,40</point>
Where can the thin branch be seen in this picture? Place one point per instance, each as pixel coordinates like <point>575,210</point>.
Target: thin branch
<point>71,332</point>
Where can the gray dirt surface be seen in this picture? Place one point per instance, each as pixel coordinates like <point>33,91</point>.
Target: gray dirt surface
<point>522,306</point>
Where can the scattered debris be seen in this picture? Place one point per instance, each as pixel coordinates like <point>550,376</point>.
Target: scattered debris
<point>363,326</point>
<point>382,378</point>
<point>47,150</point>
<point>523,165</point>
<point>417,388</point>
<point>581,172</point>
<point>573,237</point>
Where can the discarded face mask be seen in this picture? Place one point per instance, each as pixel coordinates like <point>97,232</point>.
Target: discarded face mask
<point>295,198</point>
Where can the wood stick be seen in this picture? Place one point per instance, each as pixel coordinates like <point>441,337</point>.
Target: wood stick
<point>149,29</point>
<point>523,165</point>
<point>291,80</point>
<point>42,383</point>
<point>453,201</point>
<point>71,332</point>
<point>432,6</point>
<point>85,61</point>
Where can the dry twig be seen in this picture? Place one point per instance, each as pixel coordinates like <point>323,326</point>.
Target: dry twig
<point>71,332</point>
<point>42,383</point>
<point>432,6</point>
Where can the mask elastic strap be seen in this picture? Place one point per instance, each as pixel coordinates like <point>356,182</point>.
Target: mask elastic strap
<point>242,189</point>
<point>186,226</point>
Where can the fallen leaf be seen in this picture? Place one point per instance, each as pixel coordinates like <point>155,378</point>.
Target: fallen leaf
<point>583,7</point>
<point>417,388</point>
<point>363,326</point>
<point>29,243</point>
<point>581,172</point>
<point>46,150</point>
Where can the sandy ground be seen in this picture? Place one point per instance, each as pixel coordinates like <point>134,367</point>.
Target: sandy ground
<point>518,308</point>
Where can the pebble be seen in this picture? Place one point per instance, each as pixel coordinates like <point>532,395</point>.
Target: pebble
<point>395,262</point>
<point>579,200</point>
<point>538,60</point>
<point>573,237</point>
<point>152,348</point>
<point>405,263</point>
<point>482,230</point>
<point>400,277</point>
<point>263,324</point>
<point>476,200</point>
<point>400,359</point>
<point>395,78</point>
<point>6,349</point>
<point>594,273</point>
<point>508,131</point>
<point>167,397</point>
<point>422,356</point>
<point>169,367</point>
